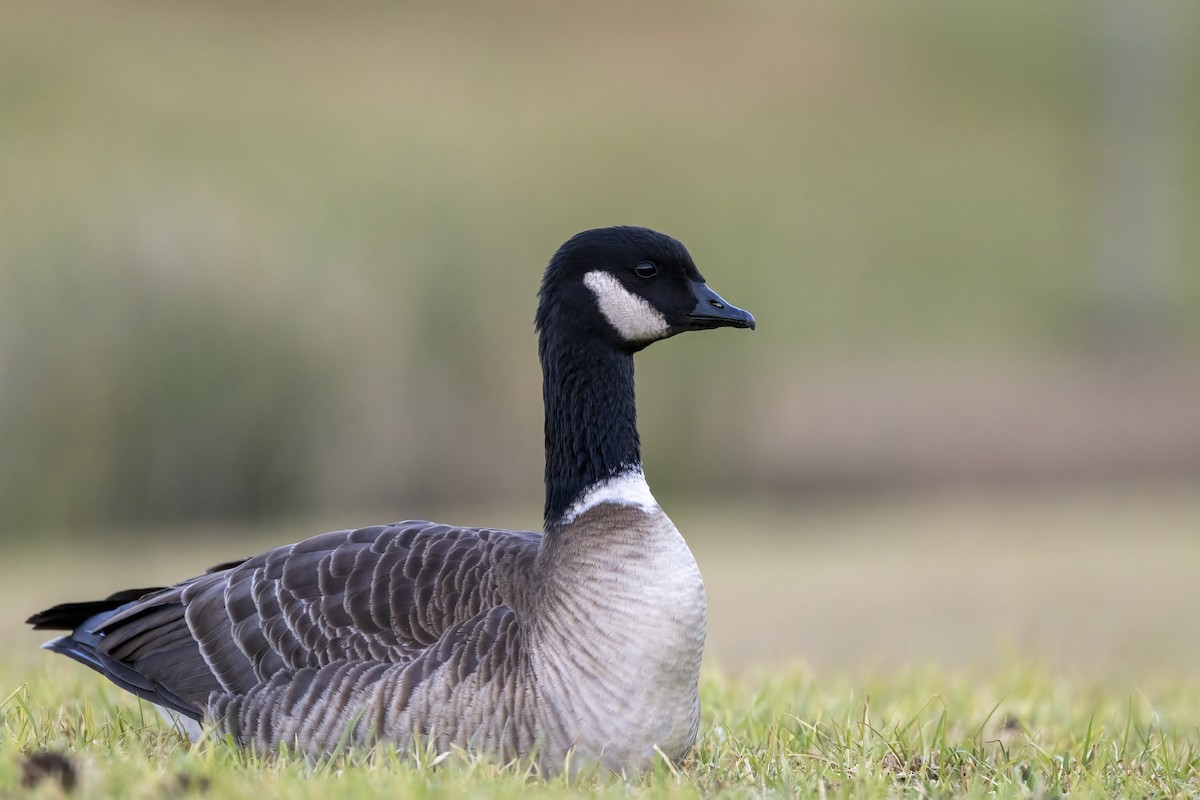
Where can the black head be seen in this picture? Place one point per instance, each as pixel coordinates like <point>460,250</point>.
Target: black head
<point>629,287</point>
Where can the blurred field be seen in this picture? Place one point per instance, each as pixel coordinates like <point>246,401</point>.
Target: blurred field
<point>1093,586</point>
<point>280,259</point>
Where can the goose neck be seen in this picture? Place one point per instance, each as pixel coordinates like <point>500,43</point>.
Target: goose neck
<point>591,420</point>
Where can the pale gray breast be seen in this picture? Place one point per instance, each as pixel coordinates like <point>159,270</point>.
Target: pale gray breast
<point>619,634</point>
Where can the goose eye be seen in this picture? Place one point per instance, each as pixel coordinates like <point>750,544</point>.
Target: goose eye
<point>646,269</point>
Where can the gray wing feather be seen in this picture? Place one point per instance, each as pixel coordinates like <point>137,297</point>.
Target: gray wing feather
<point>317,708</point>
<point>383,595</point>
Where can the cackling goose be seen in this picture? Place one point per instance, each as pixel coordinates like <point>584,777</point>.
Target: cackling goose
<point>582,643</point>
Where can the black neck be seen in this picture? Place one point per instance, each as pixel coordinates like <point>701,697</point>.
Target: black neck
<point>591,419</point>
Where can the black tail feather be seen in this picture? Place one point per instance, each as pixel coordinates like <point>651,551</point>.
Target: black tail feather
<point>69,616</point>
<point>83,645</point>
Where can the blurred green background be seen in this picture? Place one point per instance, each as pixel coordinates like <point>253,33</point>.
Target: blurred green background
<point>278,261</point>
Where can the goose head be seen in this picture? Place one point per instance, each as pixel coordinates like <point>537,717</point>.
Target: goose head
<point>628,287</point>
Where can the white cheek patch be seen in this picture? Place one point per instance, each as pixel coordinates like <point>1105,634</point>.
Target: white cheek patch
<point>632,316</point>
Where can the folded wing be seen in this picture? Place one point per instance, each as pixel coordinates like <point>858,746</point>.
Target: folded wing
<point>380,594</point>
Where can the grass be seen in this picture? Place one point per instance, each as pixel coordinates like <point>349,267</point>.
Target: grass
<point>1000,647</point>
<point>1018,731</point>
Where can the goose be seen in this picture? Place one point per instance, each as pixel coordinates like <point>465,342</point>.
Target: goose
<point>578,645</point>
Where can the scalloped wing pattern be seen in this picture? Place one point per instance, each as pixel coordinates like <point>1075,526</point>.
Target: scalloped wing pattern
<point>382,596</point>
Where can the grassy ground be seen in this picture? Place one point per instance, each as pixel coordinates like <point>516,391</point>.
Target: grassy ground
<point>1016,732</point>
<point>1014,646</point>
